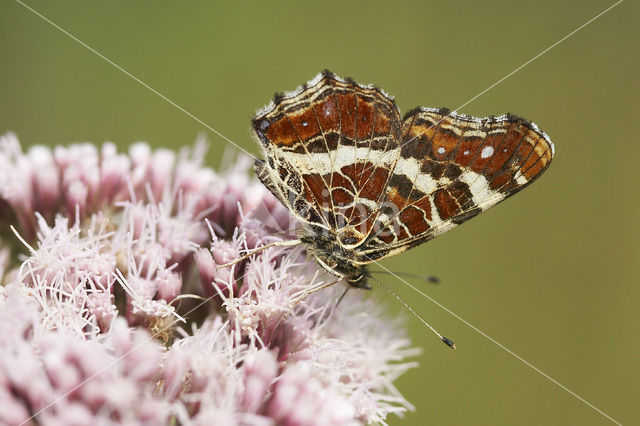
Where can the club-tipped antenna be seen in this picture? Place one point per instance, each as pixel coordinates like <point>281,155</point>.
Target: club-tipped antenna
<point>446,341</point>
<point>427,278</point>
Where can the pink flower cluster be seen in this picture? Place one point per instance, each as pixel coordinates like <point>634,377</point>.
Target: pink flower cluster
<point>114,308</point>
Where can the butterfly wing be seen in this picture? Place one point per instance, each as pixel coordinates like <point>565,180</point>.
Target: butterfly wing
<point>451,168</point>
<point>330,147</point>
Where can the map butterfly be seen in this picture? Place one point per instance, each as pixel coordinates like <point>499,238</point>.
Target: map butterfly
<point>366,183</point>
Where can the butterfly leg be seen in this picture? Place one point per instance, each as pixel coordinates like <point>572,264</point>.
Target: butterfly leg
<point>314,290</point>
<point>341,297</point>
<point>286,243</point>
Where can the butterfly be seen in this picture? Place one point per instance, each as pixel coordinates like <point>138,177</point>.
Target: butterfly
<point>365,183</point>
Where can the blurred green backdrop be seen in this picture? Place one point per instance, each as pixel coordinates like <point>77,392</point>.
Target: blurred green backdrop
<point>551,274</point>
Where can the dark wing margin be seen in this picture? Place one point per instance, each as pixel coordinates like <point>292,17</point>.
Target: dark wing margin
<point>451,168</point>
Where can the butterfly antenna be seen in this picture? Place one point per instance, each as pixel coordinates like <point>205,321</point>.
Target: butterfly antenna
<point>406,305</point>
<point>427,278</point>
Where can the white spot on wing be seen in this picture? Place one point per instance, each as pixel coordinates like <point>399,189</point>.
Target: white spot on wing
<point>441,150</point>
<point>487,152</point>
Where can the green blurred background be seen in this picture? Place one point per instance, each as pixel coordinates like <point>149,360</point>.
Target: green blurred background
<point>552,273</point>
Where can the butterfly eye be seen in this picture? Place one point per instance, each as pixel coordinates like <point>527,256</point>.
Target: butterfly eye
<point>356,278</point>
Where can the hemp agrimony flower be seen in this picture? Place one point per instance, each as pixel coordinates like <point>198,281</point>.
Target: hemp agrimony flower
<point>113,307</point>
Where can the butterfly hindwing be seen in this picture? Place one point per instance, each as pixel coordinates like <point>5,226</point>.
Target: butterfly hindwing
<point>451,168</point>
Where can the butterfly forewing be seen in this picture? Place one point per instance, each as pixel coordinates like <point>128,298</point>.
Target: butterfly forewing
<point>331,146</point>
